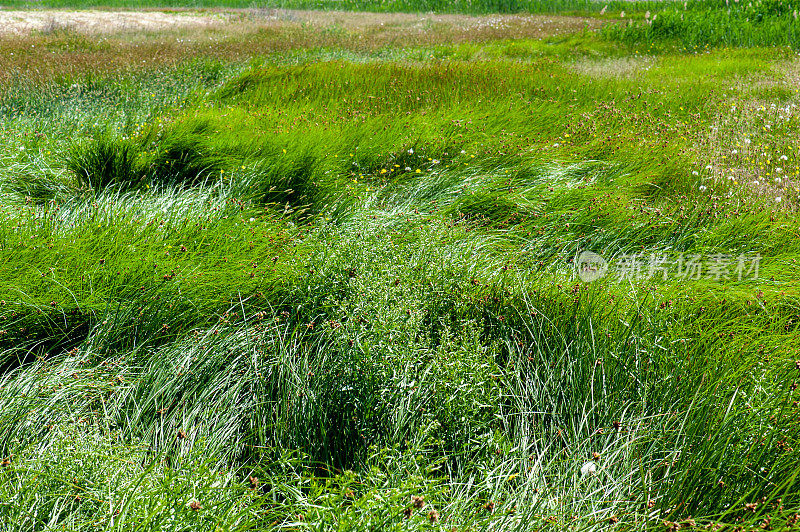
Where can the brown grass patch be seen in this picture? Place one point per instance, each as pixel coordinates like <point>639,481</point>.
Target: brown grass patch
<point>613,67</point>
<point>48,44</point>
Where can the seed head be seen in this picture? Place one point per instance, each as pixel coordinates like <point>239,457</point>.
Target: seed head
<point>589,469</point>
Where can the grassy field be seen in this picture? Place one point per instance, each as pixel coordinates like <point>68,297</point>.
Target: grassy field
<point>302,271</point>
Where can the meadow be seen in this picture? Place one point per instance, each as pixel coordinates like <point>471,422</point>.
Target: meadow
<point>324,271</point>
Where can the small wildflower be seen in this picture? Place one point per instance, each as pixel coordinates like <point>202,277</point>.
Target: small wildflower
<point>589,469</point>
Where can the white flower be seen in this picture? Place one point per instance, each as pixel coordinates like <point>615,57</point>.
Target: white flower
<point>708,167</point>
<point>462,151</point>
<point>747,141</point>
<point>556,145</point>
<point>408,168</point>
<point>755,182</point>
<point>252,219</point>
<point>589,469</point>
<point>411,151</point>
<point>695,172</point>
<point>784,158</point>
<point>702,188</point>
<point>778,180</point>
<point>778,199</point>
<point>735,152</point>
<point>779,170</point>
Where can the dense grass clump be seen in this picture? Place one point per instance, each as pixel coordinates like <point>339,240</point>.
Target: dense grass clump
<point>698,25</point>
<point>343,290</point>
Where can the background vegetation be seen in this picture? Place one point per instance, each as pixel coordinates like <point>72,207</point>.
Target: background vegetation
<point>313,281</point>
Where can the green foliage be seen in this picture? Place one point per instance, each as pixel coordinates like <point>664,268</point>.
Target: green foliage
<point>704,24</point>
<point>105,163</point>
<point>342,295</point>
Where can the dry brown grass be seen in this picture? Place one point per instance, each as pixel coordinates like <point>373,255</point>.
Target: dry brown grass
<point>73,45</point>
<point>18,22</point>
<point>613,67</point>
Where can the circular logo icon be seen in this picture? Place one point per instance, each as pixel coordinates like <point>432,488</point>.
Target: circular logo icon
<point>591,266</point>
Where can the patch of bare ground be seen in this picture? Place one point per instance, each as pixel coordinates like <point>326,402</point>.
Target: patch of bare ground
<point>18,22</point>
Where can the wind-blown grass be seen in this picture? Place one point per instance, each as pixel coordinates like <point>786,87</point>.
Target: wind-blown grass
<point>338,294</point>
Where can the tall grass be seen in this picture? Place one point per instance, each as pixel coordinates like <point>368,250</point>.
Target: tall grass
<point>341,295</point>
<point>699,25</point>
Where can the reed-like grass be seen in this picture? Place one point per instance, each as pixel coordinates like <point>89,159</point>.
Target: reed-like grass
<point>338,292</point>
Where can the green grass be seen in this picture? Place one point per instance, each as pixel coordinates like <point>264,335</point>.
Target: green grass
<point>298,292</point>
